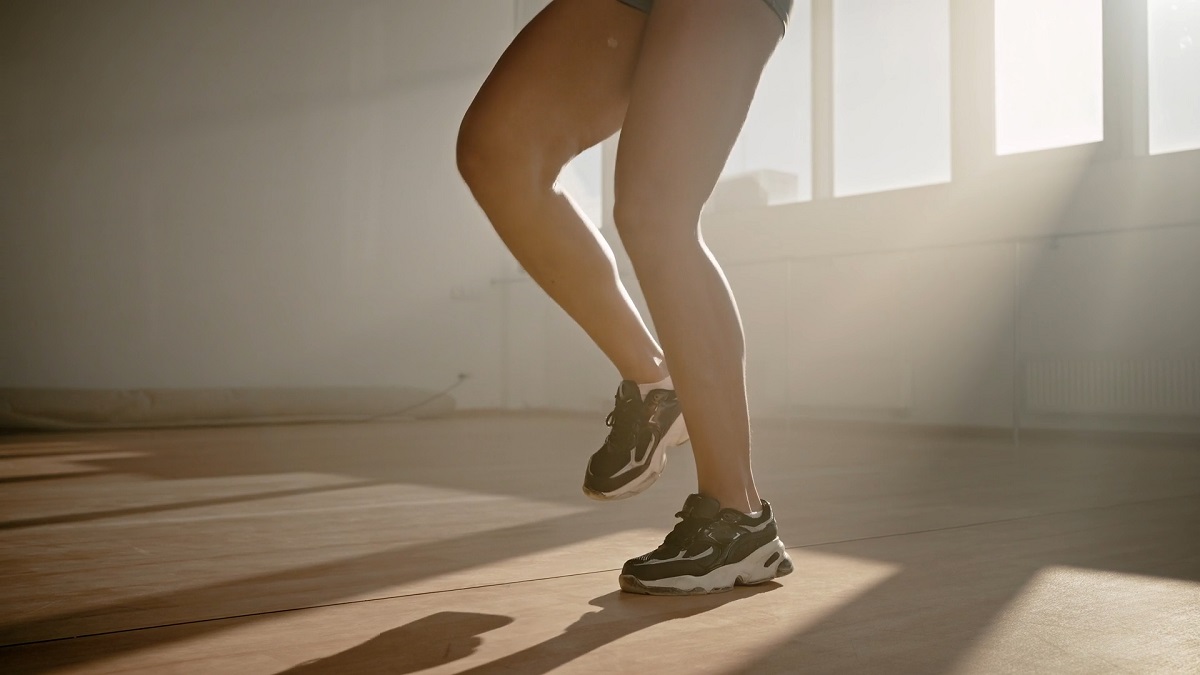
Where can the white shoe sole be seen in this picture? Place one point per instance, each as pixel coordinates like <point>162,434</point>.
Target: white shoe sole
<point>768,562</point>
<point>677,435</point>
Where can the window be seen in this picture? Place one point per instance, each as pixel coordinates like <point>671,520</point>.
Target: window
<point>1049,74</point>
<point>771,162</point>
<point>891,94</point>
<point>1174,74</point>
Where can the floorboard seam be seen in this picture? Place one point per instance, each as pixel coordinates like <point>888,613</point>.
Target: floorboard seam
<point>998,521</point>
<point>576,574</point>
<point>294,609</point>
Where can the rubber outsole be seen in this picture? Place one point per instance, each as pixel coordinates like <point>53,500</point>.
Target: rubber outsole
<point>632,584</point>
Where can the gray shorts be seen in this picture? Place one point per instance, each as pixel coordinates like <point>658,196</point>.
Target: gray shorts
<point>782,8</point>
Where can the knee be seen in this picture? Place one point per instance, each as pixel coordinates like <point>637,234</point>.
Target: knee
<point>651,225</point>
<point>492,158</point>
<point>478,150</point>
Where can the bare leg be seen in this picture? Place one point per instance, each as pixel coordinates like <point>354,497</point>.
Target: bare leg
<point>699,67</point>
<point>561,87</point>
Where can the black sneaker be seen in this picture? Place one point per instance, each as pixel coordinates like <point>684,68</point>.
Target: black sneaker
<point>634,453</point>
<point>709,551</point>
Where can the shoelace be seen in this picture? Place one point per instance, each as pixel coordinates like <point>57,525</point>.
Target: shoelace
<point>623,434</point>
<point>685,530</point>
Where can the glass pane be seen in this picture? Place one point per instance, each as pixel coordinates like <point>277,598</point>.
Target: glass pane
<point>891,94</point>
<point>1049,74</point>
<point>771,162</point>
<point>1174,75</point>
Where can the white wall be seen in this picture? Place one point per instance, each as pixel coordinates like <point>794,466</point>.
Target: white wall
<point>263,193</point>
<point>243,194</point>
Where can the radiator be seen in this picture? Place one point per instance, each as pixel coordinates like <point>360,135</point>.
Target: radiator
<point>1113,386</point>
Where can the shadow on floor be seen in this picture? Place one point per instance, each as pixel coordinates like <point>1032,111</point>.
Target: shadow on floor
<point>88,516</point>
<point>923,619</point>
<point>303,586</point>
<point>425,643</point>
<point>953,584</point>
<point>620,615</point>
<point>448,636</point>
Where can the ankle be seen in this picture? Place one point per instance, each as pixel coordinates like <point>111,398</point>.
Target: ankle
<point>646,388</point>
<point>643,376</point>
<point>739,500</point>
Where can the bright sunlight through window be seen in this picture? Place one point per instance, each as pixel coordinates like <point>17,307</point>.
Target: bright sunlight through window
<point>1049,74</point>
<point>891,94</point>
<point>774,150</point>
<point>1174,74</point>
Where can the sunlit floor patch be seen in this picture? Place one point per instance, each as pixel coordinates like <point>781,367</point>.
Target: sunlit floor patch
<point>459,544</point>
<point>33,466</point>
<point>1072,620</point>
<point>332,543</point>
<point>579,623</point>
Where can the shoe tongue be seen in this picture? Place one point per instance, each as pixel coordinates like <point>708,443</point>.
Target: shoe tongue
<point>629,391</point>
<point>699,506</point>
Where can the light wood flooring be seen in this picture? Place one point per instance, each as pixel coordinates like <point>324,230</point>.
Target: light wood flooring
<point>464,544</point>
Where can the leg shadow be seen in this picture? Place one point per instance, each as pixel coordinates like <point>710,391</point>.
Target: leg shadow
<point>176,506</point>
<point>425,643</point>
<point>620,614</point>
<point>201,608</point>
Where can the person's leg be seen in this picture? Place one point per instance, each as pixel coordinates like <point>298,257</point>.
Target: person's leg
<point>699,66</point>
<point>560,87</point>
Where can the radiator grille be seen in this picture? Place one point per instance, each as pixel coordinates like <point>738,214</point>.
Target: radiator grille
<point>1134,386</point>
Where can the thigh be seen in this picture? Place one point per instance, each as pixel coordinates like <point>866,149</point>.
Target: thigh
<point>696,74</point>
<point>563,84</point>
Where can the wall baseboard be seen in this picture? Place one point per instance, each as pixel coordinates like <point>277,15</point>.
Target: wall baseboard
<point>1188,437</point>
<point>62,409</point>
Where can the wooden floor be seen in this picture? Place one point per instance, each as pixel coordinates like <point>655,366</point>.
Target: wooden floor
<point>465,545</point>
